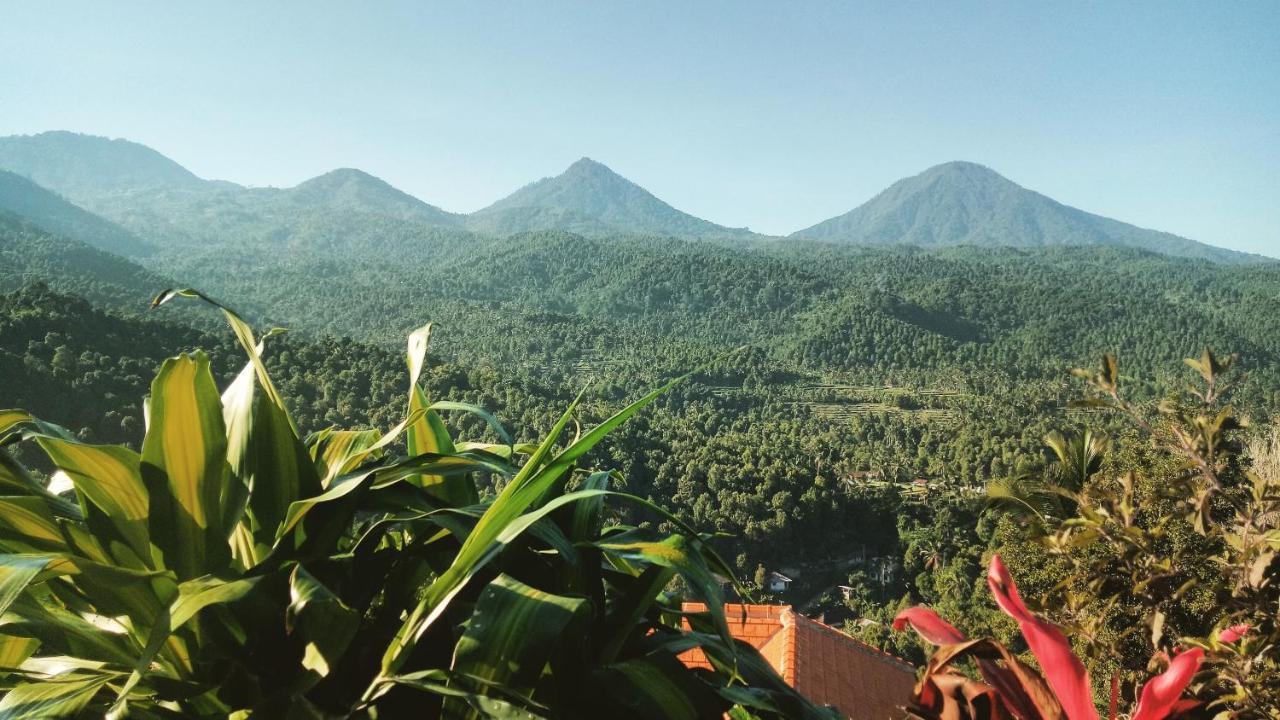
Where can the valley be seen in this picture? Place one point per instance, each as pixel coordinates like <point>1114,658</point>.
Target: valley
<point>853,392</point>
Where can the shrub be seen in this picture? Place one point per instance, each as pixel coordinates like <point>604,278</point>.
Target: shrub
<point>233,569</point>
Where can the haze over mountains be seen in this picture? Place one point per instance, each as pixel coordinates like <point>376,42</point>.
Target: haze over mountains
<point>591,199</point>
<point>147,195</point>
<point>50,211</point>
<point>74,164</point>
<point>963,203</point>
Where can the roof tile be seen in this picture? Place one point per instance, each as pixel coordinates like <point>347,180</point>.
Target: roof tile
<point>819,661</point>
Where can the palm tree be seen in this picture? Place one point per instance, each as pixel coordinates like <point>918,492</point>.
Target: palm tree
<point>1050,492</point>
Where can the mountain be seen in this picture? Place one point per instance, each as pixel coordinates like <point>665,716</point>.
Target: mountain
<point>350,190</point>
<point>154,198</point>
<point>54,214</point>
<point>589,198</point>
<point>963,203</point>
<point>31,254</point>
<point>77,166</point>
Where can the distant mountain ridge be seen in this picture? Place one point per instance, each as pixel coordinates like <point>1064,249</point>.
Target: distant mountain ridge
<point>76,165</point>
<point>348,188</point>
<point>964,203</point>
<point>57,216</point>
<point>151,196</point>
<point>29,253</point>
<point>590,198</point>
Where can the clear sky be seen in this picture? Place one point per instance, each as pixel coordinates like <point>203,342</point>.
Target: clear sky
<point>771,115</point>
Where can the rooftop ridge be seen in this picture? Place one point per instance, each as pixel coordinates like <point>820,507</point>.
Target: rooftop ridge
<point>855,642</point>
<point>819,661</point>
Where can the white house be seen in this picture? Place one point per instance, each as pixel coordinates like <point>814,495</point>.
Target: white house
<point>778,582</point>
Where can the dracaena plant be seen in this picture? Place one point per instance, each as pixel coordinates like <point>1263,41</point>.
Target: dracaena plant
<point>1170,544</point>
<point>1012,689</point>
<point>234,569</point>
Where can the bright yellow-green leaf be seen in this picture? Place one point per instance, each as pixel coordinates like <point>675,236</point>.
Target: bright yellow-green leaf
<point>56,697</point>
<point>14,650</point>
<point>184,464</point>
<point>513,632</point>
<point>32,523</point>
<point>427,433</point>
<point>109,482</point>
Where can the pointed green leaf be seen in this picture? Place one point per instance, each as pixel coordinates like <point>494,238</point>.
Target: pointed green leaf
<point>427,433</point>
<point>108,480</point>
<point>56,697</point>
<point>184,464</point>
<point>321,619</point>
<point>513,632</point>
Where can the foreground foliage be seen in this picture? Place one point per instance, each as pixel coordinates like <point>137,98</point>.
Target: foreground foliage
<point>234,569</point>
<point>1160,558</point>
<point>1011,688</point>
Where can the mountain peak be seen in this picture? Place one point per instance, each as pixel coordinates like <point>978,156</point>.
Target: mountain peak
<point>75,165</point>
<point>962,166</point>
<point>587,166</point>
<point>965,203</point>
<point>350,189</point>
<point>590,198</point>
<point>341,177</point>
<point>964,171</point>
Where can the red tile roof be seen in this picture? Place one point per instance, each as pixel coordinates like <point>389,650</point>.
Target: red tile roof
<point>819,661</point>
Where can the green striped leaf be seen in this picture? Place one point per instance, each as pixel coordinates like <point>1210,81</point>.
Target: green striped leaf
<point>486,706</point>
<point>45,617</point>
<point>427,434</point>
<point>14,650</point>
<point>531,485</point>
<point>56,697</point>
<point>242,331</point>
<point>513,633</point>
<point>657,687</point>
<point>16,573</point>
<point>479,412</point>
<point>265,454</point>
<point>11,418</point>
<point>263,448</point>
<point>321,619</point>
<point>195,595</point>
<point>340,451</point>
<point>27,524</point>
<point>14,477</point>
<point>438,465</point>
<point>108,481</point>
<point>184,465</point>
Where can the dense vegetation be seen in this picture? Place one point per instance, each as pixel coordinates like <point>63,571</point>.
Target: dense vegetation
<point>1155,556</point>
<point>234,568</point>
<point>882,392</point>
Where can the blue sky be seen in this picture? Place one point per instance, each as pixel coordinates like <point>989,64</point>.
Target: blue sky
<point>770,115</point>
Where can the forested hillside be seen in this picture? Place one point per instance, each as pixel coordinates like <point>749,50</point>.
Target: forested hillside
<point>889,365</point>
<point>853,402</point>
<point>964,203</point>
<point>29,254</point>
<point>20,196</point>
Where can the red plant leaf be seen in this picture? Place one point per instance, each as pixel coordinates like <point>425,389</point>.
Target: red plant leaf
<point>1231,634</point>
<point>1019,689</point>
<point>1062,669</point>
<point>929,625</point>
<point>1162,693</point>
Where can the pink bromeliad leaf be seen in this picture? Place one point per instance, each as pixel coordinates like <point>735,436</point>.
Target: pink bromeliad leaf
<point>1162,694</point>
<point>1233,633</point>
<point>1062,669</point>
<point>929,625</point>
